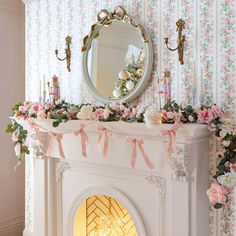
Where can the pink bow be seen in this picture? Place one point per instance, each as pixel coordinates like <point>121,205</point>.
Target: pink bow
<point>84,138</point>
<point>107,133</point>
<point>169,133</point>
<point>57,137</point>
<point>32,126</point>
<point>134,152</point>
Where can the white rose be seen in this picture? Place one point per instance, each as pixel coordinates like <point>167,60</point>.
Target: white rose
<point>190,118</point>
<point>170,115</point>
<point>86,113</point>
<point>226,143</point>
<point>228,179</point>
<point>152,117</point>
<point>222,134</point>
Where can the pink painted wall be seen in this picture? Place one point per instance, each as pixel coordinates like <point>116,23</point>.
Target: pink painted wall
<point>11,92</point>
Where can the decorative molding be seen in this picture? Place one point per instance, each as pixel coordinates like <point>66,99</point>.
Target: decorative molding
<point>60,168</point>
<point>38,151</point>
<point>12,223</point>
<point>159,183</point>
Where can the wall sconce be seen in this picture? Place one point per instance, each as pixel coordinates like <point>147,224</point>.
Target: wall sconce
<point>181,38</point>
<point>67,52</point>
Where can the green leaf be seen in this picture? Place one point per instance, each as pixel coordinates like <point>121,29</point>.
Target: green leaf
<point>232,160</point>
<point>218,205</point>
<point>55,123</point>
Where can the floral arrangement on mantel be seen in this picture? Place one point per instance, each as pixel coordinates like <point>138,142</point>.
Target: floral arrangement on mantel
<point>225,177</point>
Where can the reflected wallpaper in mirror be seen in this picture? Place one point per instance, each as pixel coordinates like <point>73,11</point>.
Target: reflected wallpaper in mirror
<point>116,60</point>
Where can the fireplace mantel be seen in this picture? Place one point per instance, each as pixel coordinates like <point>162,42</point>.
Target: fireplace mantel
<point>169,200</point>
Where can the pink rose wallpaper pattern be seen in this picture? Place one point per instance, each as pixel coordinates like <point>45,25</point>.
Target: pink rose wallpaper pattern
<point>210,36</point>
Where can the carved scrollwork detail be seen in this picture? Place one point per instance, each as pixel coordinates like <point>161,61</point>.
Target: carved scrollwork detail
<point>37,150</point>
<point>105,18</point>
<point>159,183</point>
<point>180,170</point>
<point>61,167</point>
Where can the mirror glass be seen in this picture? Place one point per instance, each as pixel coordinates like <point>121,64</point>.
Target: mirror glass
<point>116,59</point>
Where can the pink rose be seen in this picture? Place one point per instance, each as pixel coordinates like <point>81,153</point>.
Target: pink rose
<point>122,74</point>
<point>48,105</point>
<point>217,111</point>
<point>18,149</point>
<point>34,108</point>
<point>216,193</point>
<point>98,114</point>
<point>106,113</point>
<point>27,104</point>
<point>127,113</point>
<point>15,136</point>
<point>115,107</point>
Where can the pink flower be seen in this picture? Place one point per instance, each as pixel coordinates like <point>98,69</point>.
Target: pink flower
<point>18,149</point>
<point>27,104</point>
<point>15,136</point>
<point>127,113</point>
<point>164,114</point>
<point>216,193</point>
<point>205,116</point>
<point>122,74</point>
<point>115,107</point>
<point>42,115</point>
<point>106,113</point>
<point>48,105</point>
<point>34,108</point>
<point>41,107</point>
<point>217,111</point>
<point>98,114</point>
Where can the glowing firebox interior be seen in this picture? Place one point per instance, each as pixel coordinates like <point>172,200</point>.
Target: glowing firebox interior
<point>101,215</point>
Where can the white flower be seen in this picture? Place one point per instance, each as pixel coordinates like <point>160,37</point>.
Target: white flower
<point>190,118</point>
<point>223,134</point>
<point>152,116</point>
<point>228,179</point>
<point>86,113</point>
<point>226,143</point>
<point>170,115</point>
<point>139,72</point>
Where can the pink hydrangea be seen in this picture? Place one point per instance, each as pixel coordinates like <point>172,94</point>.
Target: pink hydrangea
<point>216,193</point>
<point>18,149</point>
<point>205,116</point>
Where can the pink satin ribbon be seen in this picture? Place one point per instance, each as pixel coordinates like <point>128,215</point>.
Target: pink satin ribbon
<point>84,138</point>
<point>55,137</point>
<point>134,152</point>
<point>172,132</point>
<point>107,133</point>
<point>32,126</point>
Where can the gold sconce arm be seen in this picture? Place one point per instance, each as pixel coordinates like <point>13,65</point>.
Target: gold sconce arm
<point>67,52</point>
<point>181,39</point>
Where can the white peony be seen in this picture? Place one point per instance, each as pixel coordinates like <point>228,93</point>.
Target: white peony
<point>86,113</point>
<point>152,116</point>
<point>228,179</point>
<point>170,115</point>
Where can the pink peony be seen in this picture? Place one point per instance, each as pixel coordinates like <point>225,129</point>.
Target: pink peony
<point>216,193</point>
<point>15,136</point>
<point>18,149</point>
<point>122,74</point>
<point>205,116</point>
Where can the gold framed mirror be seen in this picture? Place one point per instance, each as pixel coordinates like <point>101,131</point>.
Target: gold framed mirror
<point>117,57</point>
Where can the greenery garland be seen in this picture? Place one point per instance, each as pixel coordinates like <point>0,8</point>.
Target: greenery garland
<point>225,176</point>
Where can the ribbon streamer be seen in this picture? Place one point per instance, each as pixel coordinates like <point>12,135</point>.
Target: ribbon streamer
<point>32,126</point>
<point>172,132</point>
<point>107,133</point>
<point>134,151</point>
<point>57,137</point>
<point>84,138</point>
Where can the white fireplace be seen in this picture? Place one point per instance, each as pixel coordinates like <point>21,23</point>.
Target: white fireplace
<point>169,200</point>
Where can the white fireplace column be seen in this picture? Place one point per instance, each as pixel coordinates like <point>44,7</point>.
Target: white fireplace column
<point>167,201</point>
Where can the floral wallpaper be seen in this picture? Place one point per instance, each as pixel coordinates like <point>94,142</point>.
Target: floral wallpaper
<point>210,36</point>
